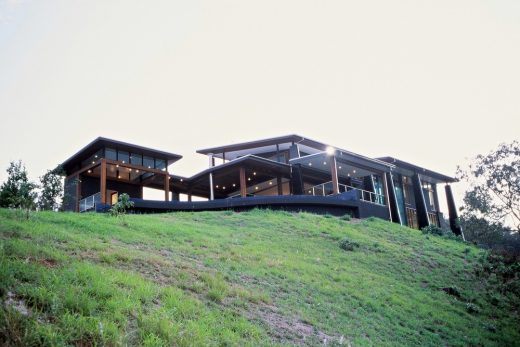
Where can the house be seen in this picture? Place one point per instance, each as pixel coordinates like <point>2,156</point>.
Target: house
<point>288,172</point>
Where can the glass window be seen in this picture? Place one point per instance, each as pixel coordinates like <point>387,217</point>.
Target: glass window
<point>148,162</point>
<point>110,154</point>
<point>123,156</point>
<point>160,164</point>
<point>136,159</point>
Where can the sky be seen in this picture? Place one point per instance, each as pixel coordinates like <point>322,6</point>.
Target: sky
<point>430,82</point>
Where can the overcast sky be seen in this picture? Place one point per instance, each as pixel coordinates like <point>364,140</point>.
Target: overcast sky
<point>430,82</point>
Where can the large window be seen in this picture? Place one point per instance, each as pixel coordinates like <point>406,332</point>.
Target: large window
<point>136,159</point>
<point>148,162</point>
<point>123,156</point>
<point>160,164</point>
<point>110,154</point>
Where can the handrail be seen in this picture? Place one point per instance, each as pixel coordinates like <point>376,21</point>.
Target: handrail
<point>325,189</point>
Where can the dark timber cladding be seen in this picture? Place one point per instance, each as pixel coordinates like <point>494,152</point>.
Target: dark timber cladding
<point>292,172</point>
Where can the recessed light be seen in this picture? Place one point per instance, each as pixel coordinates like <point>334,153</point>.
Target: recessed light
<point>223,187</point>
<point>270,182</point>
<point>234,184</point>
<point>310,164</point>
<point>330,150</point>
<point>123,161</point>
<point>324,163</point>
<point>93,162</point>
<point>137,171</point>
<point>89,171</point>
<point>130,170</point>
<point>354,171</point>
<point>95,156</point>
<point>256,187</point>
<point>118,176</point>
<point>254,173</point>
<point>149,167</point>
<point>181,179</point>
<point>117,165</point>
<point>339,167</point>
<point>216,186</point>
<point>249,178</point>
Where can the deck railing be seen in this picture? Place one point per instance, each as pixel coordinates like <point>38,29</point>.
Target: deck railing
<point>89,203</point>
<point>325,189</point>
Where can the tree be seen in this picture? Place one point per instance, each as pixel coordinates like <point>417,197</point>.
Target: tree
<point>120,207</point>
<point>494,193</point>
<point>51,190</point>
<point>18,191</point>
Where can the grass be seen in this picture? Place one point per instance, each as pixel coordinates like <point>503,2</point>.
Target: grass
<point>241,279</point>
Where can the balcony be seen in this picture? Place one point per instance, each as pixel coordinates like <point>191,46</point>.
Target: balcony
<point>326,189</point>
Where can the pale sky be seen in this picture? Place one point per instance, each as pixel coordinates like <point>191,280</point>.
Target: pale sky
<point>430,82</point>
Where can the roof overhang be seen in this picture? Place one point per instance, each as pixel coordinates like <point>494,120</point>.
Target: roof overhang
<point>101,142</point>
<point>409,169</point>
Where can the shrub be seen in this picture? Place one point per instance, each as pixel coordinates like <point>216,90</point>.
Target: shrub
<point>346,217</point>
<point>472,308</point>
<point>120,207</point>
<point>348,245</point>
<point>433,230</point>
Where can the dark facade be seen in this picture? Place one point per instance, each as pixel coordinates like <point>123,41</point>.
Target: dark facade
<point>289,172</point>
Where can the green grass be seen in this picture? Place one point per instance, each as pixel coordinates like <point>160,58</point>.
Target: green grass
<point>238,279</point>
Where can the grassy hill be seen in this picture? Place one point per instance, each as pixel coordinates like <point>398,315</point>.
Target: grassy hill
<point>254,278</point>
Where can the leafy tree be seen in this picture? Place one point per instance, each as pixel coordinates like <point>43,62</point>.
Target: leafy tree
<point>494,193</point>
<point>51,190</point>
<point>18,191</point>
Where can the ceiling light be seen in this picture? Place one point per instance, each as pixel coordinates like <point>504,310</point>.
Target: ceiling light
<point>149,167</point>
<point>123,161</point>
<point>93,162</point>
<point>181,179</point>
<point>234,184</point>
<point>216,186</point>
<point>354,171</point>
<point>137,171</point>
<point>95,156</point>
<point>330,150</point>
<point>271,182</point>
<point>310,164</point>
<point>89,171</point>
<point>324,163</point>
<point>249,178</point>
<point>118,176</point>
<point>256,187</point>
<point>130,170</point>
<point>117,165</point>
<point>223,187</point>
<point>348,175</point>
<point>339,167</point>
<point>254,173</point>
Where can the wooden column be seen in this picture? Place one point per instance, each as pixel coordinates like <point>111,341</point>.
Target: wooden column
<point>103,181</point>
<point>243,187</point>
<point>279,185</point>
<point>334,173</point>
<point>166,187</point>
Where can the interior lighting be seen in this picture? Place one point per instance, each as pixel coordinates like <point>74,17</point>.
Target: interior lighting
<point>137,171</point>
<point>123,161</point>
<point>354,171</point>
<point>324,163</point>
<point>254,173</point>
<point>249,178</point>
<point>339,167</point>
<point>256,187</point>
<point>330,150</point>
<point>93,162</point>
<point>310,164</point>
<point>89,171</point>
<point>117,165</point>
<point>216,186</point>
<point>119,176</point>
<point>234,184</point>
<point>271,183</point>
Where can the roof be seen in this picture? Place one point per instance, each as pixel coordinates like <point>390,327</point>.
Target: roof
<point>101,142</point>
<point>265,143</point>
<point>411,168</point>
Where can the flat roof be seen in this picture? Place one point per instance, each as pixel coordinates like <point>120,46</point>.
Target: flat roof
<point>265,142</point>
<point>400,164</point>
<point>101,142</point>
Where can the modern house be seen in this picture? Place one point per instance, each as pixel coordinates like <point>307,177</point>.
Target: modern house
<point>288,172</point>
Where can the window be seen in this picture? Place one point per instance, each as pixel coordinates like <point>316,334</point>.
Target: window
<point>110,154</point>
<point>136,159</point>
<point>123,156</point>
<point>148,162</point>
<point>160,164</point>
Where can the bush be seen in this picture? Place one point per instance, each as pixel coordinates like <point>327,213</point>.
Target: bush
<point>472,308</point>
<point>348,245</point>
<point>434,230</point>
<point>346,217</point>
<point>120,207</point>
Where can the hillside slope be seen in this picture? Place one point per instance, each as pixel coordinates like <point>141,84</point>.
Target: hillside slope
<point>253,278</point>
